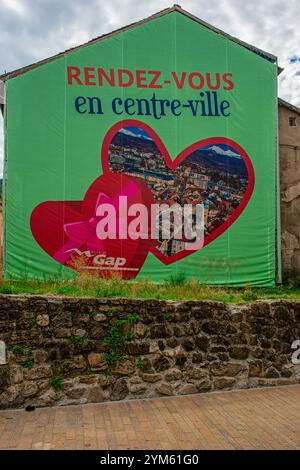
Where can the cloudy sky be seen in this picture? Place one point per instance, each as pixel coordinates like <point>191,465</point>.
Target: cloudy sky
<point>31,30</point>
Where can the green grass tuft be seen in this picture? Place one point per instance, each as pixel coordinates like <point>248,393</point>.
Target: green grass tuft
<point>176,287</point>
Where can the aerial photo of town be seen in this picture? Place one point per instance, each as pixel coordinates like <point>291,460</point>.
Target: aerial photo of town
<point>214,176</point>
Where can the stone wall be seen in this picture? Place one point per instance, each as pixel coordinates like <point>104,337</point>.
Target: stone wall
<point>58,348</point>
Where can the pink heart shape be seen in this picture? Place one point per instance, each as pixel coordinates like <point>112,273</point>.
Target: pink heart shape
<point>132,147</point>
<point>66,230</point>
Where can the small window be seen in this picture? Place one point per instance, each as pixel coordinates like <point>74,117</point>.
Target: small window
<point>292,121</point>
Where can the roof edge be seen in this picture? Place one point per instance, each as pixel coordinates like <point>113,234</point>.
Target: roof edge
<point>257,50</point>
<point>288,105</point>
<point>271,58</point>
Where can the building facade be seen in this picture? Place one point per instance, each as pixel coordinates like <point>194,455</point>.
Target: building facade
<point>220,175</point>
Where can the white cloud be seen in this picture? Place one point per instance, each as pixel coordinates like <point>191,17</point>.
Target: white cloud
<point>16,6</point>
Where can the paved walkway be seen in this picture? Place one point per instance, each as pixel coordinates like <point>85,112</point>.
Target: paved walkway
<point>254,419</point>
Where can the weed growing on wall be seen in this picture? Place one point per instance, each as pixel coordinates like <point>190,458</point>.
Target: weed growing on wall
<point>120,333</point>
<point>56,383</point>
<point>78,341</point>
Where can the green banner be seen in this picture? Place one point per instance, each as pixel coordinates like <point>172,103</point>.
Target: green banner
<point>147,153</point>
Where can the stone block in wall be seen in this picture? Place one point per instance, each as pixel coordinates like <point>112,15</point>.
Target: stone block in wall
<point>202,342</point>
<point>76,393</point>
<point>38,372</point>
<point>139,347</point>
<point>204,385</point>
<point>97,361</point>
<point>229,369</point>
<point>272,373</point>
<point>62,332</point>
<point>255,368</point>
<point>39,356</point>
<point>63,320</point>
<point>4,379</point>
<point>152,378</point>
<point>164,388</point>
<point>125,366</point>
<point>173,374</point>
<point>187,389</point>
<point>161,330</point>
<point>197,357</point>
<point>220,383</point>
<point>16,374</point>
<point>161,363</point>
<point>119,390</point>
<point>196,373</point>
<point>30,389</point>
<point>239,352</point>
<point>42,319</point>
<point>79,363</point>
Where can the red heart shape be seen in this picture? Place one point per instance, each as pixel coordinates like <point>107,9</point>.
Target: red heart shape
<point>132,147</point>
<point>66,230</point>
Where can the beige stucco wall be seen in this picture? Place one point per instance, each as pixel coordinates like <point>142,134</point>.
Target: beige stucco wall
<point>289,157</point>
